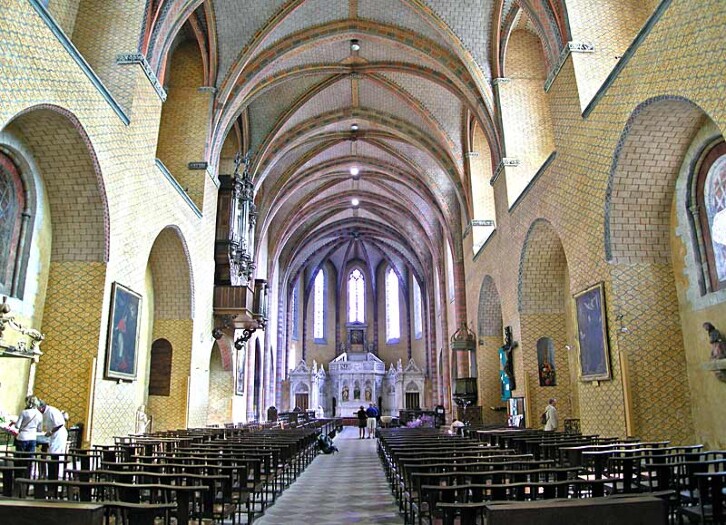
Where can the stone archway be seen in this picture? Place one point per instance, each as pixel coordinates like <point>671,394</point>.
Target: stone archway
<point>489,340</point>
<point>638,244</point>
<point>544,299</point>
<point>71,241</point>
<point>172,320</point>
<point>221,388</point>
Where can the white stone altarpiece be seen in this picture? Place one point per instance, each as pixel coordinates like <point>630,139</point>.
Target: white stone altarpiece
<point>355,379</point>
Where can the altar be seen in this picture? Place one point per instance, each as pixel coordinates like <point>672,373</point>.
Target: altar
<point>356,379</point>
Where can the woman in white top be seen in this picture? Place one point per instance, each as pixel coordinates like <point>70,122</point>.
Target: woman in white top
<point>29,423</point>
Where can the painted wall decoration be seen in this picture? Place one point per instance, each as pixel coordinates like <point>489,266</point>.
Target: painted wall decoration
<point>356,337</point>
<point>239,384</point>
<point>123,333</point>
<point>546,362</point>
<point>592,334</point>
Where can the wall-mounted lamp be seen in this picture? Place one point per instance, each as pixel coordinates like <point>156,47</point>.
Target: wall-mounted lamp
<point>354,45</point>
<point>568,347</point>
<point>623,329</point>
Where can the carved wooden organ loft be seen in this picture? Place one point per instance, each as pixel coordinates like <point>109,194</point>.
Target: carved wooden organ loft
<point>240,301</point>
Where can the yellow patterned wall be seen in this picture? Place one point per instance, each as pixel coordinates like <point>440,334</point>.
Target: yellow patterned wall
<point>571,194</point>
<point>221,389</point>
<point>141,202</point>
<point>182,138</point>
<point>71,326</point>
<point>171,412</point>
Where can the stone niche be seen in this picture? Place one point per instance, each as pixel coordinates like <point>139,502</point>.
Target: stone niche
<point>307,386</point>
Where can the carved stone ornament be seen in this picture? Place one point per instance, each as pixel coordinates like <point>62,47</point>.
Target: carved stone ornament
<point>23,347</point>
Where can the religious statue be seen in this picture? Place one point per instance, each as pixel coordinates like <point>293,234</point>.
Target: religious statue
<point>718,343</point>
<point>142,420</point>
<point>369,394</point>
<point>356,392</point>
<point>509,346</point>
<point>346,393</point>
<point>718,348</point>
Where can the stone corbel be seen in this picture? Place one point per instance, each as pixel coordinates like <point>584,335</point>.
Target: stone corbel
<point>718,367</point>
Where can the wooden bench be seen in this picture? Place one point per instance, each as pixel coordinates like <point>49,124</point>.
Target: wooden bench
<point>32,512</point>
<point>633,510</point>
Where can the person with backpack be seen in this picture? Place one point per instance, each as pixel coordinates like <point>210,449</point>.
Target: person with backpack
<point>549,417</point>
<point>372,413</point>
<point>326,444</point>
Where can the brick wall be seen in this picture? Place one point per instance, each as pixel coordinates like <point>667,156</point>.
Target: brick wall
<point>141,202</point>
<point>571,194</point>
<point>221,389</point>
<point>525,110</point>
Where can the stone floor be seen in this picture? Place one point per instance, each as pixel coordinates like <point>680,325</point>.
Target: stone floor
<point>347,487</point>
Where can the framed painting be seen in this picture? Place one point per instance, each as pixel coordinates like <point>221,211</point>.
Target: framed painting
<point>122,343</point>
<point>592,334</point>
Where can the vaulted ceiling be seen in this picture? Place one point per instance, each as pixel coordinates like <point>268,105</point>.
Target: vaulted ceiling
<point>384,123</point>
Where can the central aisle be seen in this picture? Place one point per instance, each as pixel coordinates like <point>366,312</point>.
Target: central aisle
<point>348,487</point>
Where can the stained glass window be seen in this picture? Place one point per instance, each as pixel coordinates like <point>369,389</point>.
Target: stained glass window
<point>711,206</point>
<point>393,318</point>
<point>715,200</point>
<point>12,200</point>
<point>356,297</point>
<point>319,305</point>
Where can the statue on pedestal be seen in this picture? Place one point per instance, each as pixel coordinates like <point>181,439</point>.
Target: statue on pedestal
<point>142,420</point>
<point>718,344</point>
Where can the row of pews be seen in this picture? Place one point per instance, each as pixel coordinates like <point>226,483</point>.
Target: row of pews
<point>512,476</point>
<point>208,475</point>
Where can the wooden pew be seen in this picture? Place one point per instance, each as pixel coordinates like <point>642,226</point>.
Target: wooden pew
<point>634,510</point>
<point>31,512</point>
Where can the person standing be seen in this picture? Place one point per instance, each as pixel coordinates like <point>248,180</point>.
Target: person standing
<point>551,416</point>
<point>372,413</point>
<point>362,419</point>
<point>29,423</point>
<point>54,424</point>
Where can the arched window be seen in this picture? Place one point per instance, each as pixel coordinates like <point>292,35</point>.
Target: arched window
<point>294,313</point>
<point>12,203</point>
<point>319,306</point>
<point>417,311</point>
<point>711,200</point>
<point>393,318</point>
<point>356,297</point>
<point>450,274</point>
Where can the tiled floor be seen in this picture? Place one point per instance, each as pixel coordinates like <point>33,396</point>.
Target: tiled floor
<point>348,487</point>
